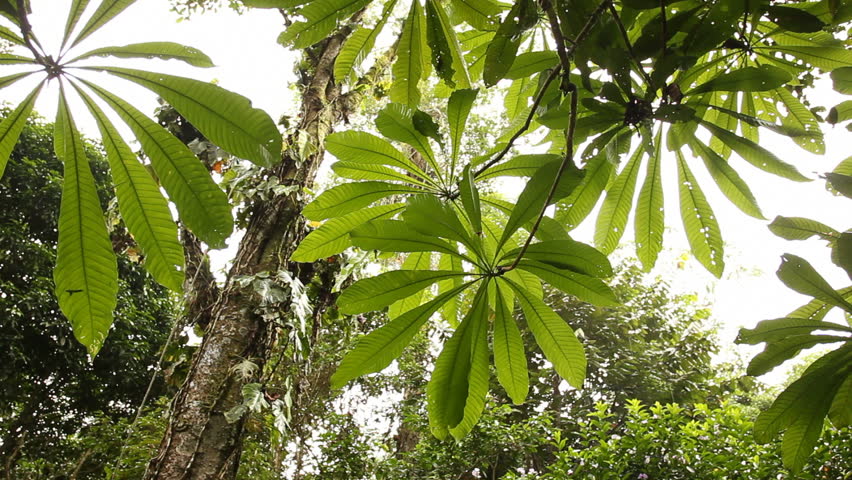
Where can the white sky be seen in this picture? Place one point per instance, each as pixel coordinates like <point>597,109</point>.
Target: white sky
<point>250,62</point>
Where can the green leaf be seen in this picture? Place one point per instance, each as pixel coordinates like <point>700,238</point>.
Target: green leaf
<point>800,276</point>
<point>779,351</point>
<point>360,171</point>
<point>332,237</point>
<point>794,19</point>
<point>86,273</point>
<point>408,68</point>
<point>800,439</point>
<point>13,125</point>
<point>746,79</point>
<point>320,20</point>
<point>426,126</point>
<point>442,58</point>
<point>799,117</point>
<point>397,236</point>
<point>377,350</point>
<point>799,228</point>
<point>224,117</point>
<point>577,206</point>
<point>649,220</point>
<point>553,335</point>
<point>825,58</point>
<point>470,200</point>
<point>527,64</point>
<point>841,183</point>
<point>9,35</point>
<point>532,199</point>
<point>354,146</point>
<point>509,357</point>
<point>616,206</point>
<point>161,50</point>
<point>586,288</point>
<point>141,204</point>
<point>356,48</point>
<point>9,59</point>
<point>781,328</point>
<point>418,261</point>
<point>501,52</point>
<point>699,222</point>
<point>375,293</point>
<point>755,154</point>
<point>456,391</point>
<point>106,11</point>
<point>842,80</point>
<point>750,120</point>
<point>458,109</point>
<point>202,205</point>
<point>809,396</point>
<point>479,14</point>
<point>520,166</point>
<point>569,254</point>
<point>840,411</point>
<point>429,216</point>
<point>10,79</point>
<point>728,180</point>
<point>349,197</point>
<point>396,121</point>
<point>74,14</point>
<point>840,113</point>
<point>450,310</point>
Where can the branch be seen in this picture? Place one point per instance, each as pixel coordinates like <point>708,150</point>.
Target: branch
<point>524,127</point>
<point>569,155</point>
<point>626,39</point>
<point>27,31</point>
<point>556,30</point>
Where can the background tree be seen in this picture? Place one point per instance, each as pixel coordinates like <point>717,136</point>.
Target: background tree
<point>52,392</point>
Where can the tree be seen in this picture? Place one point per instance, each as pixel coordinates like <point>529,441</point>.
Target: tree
<point>718,65</point>
<point>51,389</point>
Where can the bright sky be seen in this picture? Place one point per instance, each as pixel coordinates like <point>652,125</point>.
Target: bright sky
<point>250,62</point>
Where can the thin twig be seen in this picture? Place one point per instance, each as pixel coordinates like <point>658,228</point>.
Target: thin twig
<point>626,39</point>
<point>157,370</point>
<point>27,30</point>
<point>569,155</point>
<point>524,127</point>
<point>556,30</point>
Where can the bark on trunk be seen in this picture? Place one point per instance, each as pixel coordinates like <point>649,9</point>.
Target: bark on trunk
<point>199,443</point>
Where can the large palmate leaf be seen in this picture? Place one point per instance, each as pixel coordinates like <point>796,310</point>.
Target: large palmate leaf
<point>86,273</point>
<point>202,205</point>
<point>142,206</point>
<point>224,117</point>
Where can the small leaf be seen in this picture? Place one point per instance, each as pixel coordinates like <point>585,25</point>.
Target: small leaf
<point>699,222</point>
<point>509,357</point>
<point>408,68</point>
<point>617,205</point>
<point>842,80</point>
<point>586,288</point>
<point>458,109</point>
<point>459,383</point>
<point>332,237</point>
<point>746,79</point>
<point>799,228</point>
<point>226,118</point>
<point>106,11</point>
<point>781,328</point>
<point>162,50</point>
<point>800,276</point>
<point>375,293</point>
<point>13,125</point>
<point>553,335</point>
<point>349,197</point>
<point>377,350</point>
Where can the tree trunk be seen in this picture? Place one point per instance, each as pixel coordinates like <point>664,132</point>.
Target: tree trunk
<point>199,443</point>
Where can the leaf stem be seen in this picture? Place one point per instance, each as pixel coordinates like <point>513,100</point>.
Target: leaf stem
<point>27,31</point>
<point>568,158</point>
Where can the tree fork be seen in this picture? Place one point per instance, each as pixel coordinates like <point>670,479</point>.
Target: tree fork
<point>199,443</point>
